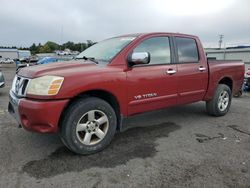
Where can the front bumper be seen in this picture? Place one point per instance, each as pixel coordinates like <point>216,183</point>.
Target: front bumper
<point>38,116</point>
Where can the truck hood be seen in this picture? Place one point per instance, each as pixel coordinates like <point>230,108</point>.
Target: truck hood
<point>59,69</point>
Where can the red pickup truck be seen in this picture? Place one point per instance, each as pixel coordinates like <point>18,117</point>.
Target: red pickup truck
<point>87,99</point>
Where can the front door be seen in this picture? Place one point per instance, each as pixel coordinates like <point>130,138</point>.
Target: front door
<point>152,86</point>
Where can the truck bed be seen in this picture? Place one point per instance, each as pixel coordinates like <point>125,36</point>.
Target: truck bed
<point>230,69</point>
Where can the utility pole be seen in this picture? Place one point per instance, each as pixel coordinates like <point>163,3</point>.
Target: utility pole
<point>220,40</point>
<point>61,37</point>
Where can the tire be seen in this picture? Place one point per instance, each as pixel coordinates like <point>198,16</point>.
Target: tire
<point>221,101</point>
<point>88,125</point>
<point>238,94</point>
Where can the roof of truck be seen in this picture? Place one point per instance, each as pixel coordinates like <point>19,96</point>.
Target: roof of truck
<point>155,33</point>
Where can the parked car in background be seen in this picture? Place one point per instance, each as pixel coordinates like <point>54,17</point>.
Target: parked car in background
<point>33,59</point>
<point>247,80</point>
<point>88,99</point>
<point>6,61</point>
<point>74,53</point>
<point>2,81</point>
<point>66,52</point>
<point>246,85</point>
<point>62,53</point>
<point>47,60</point>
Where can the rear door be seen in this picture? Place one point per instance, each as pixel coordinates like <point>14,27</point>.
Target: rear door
<point>152,86</point>
<point>192,70</point>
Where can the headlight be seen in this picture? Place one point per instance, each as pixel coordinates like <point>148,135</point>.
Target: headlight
<point>45,85</point>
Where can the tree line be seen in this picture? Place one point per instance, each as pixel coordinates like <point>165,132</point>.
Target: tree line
<point>50,47</point>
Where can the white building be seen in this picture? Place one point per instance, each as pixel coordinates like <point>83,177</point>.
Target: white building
<point>8,53</point>
<point>233,54</point>
<point>14,53</point>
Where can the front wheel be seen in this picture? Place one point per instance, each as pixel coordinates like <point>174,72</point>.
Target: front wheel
<point>221,101</point>
<point>88,125</point>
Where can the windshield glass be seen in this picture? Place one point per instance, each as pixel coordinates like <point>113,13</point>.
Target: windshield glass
<point>106,50</point>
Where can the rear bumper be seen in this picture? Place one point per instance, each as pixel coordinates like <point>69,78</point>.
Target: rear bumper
<point>37,116</point>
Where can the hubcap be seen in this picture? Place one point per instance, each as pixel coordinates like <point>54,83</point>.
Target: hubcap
<point>92,127</point>
<point>223,101</point>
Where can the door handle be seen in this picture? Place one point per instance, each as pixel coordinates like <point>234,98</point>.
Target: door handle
<point>171,71</point>
<point>202,68</point>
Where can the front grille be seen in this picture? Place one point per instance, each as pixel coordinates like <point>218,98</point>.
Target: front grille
<point>19,85</point>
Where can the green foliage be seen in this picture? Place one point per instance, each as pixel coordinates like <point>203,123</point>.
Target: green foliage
<point>50,47</point>
<point>34,49</point>
<point>45,49</point>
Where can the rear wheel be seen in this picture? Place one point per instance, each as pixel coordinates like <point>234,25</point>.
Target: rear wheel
<point>238,94</point>
<point>221,101</point>
<point>88,125</point>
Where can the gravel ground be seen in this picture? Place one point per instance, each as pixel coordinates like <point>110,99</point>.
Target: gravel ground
<point>177,147</point>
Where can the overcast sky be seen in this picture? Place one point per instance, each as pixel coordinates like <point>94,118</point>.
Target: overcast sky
<point>23,22</point>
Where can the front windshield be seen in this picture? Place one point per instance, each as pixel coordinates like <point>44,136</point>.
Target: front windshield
<point>106,50</point>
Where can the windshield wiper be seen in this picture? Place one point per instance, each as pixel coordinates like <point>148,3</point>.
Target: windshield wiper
<point>88,58</point>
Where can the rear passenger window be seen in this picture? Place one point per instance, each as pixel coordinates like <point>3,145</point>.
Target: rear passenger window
<point>187,50</point>
<point>159,49</point>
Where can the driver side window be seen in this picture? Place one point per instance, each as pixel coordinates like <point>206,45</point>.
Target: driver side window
<point>159,49</point>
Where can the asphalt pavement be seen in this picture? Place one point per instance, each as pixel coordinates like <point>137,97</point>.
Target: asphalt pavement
<point>175,147</point>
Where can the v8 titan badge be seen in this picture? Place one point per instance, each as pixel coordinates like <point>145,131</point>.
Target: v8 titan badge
<point>145,96</point>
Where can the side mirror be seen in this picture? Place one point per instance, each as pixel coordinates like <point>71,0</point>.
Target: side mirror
<point>138,58</point>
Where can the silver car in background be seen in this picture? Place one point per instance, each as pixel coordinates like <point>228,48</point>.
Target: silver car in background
<point>2,83</point>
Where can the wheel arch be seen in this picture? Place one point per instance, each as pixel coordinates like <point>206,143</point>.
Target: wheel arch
<point>102,94</point>
<point>227,81</point>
